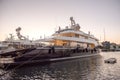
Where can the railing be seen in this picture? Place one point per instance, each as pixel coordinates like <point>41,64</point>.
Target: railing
<point>83,40</point>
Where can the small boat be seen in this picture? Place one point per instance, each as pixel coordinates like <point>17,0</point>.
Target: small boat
<point>111,60</point>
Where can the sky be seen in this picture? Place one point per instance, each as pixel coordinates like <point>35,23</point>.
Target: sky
<point>43,17</point>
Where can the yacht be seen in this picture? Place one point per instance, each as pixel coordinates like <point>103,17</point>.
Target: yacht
<point>64,44</point>
<point>13,44</point>
<point>5,48</point>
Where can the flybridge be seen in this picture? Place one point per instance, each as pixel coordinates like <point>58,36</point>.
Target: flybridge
<point>63,30</point>
<point>73,26</point>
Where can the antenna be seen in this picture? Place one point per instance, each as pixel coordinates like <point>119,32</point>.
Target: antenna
<point>104,35</point>
<point>100,38</point>
<point>72,21</point>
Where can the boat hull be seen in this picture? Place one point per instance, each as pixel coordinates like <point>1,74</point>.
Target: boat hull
<point>46,56</point>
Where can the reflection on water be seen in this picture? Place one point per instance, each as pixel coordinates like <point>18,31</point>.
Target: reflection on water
<point>92,68</point>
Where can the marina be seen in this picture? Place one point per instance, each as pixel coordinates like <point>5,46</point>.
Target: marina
<point>59,40</point>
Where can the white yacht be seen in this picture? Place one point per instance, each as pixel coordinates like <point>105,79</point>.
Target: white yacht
<point>12,44</point>
<point>5,48</point>
<point>65,44</point>
<point>72,36</point>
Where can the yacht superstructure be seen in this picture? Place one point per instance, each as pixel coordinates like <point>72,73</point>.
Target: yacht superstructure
<point>72,36</point>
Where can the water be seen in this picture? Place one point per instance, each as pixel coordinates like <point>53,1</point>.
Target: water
<point>92,68</point>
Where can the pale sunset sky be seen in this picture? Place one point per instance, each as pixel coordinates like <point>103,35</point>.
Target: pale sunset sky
<point>39,17</point>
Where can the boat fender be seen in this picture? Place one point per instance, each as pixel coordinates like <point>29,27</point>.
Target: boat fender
<point>95,50</point>
<point>49,50</point>
<point>91,50</point>
<point>53,49</point>
<point>86,50</point>
<point>77,49</point>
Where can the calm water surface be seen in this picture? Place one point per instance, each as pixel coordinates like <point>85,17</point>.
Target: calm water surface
<point>92,68</point>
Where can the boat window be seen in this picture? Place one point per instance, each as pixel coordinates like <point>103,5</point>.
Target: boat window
<point>76,35</point>
<point>86,37</point>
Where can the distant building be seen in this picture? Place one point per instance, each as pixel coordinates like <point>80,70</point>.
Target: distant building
<point>106,45</point>
<point>113,46</point>
<point>110,46</point>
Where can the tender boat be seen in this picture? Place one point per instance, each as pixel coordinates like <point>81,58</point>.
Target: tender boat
<point>111,60</point>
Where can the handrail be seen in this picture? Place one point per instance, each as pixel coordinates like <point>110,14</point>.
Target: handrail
<point>83,40</point>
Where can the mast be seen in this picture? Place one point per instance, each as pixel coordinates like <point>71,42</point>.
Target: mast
<point>104,35</point>
<point>74,25</point>
<point>72,21</point>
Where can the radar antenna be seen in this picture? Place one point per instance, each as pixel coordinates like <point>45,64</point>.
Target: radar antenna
<point>11,36</point>
<point>74,25</point>
<point>72,21</point>
<point>19,35</point>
